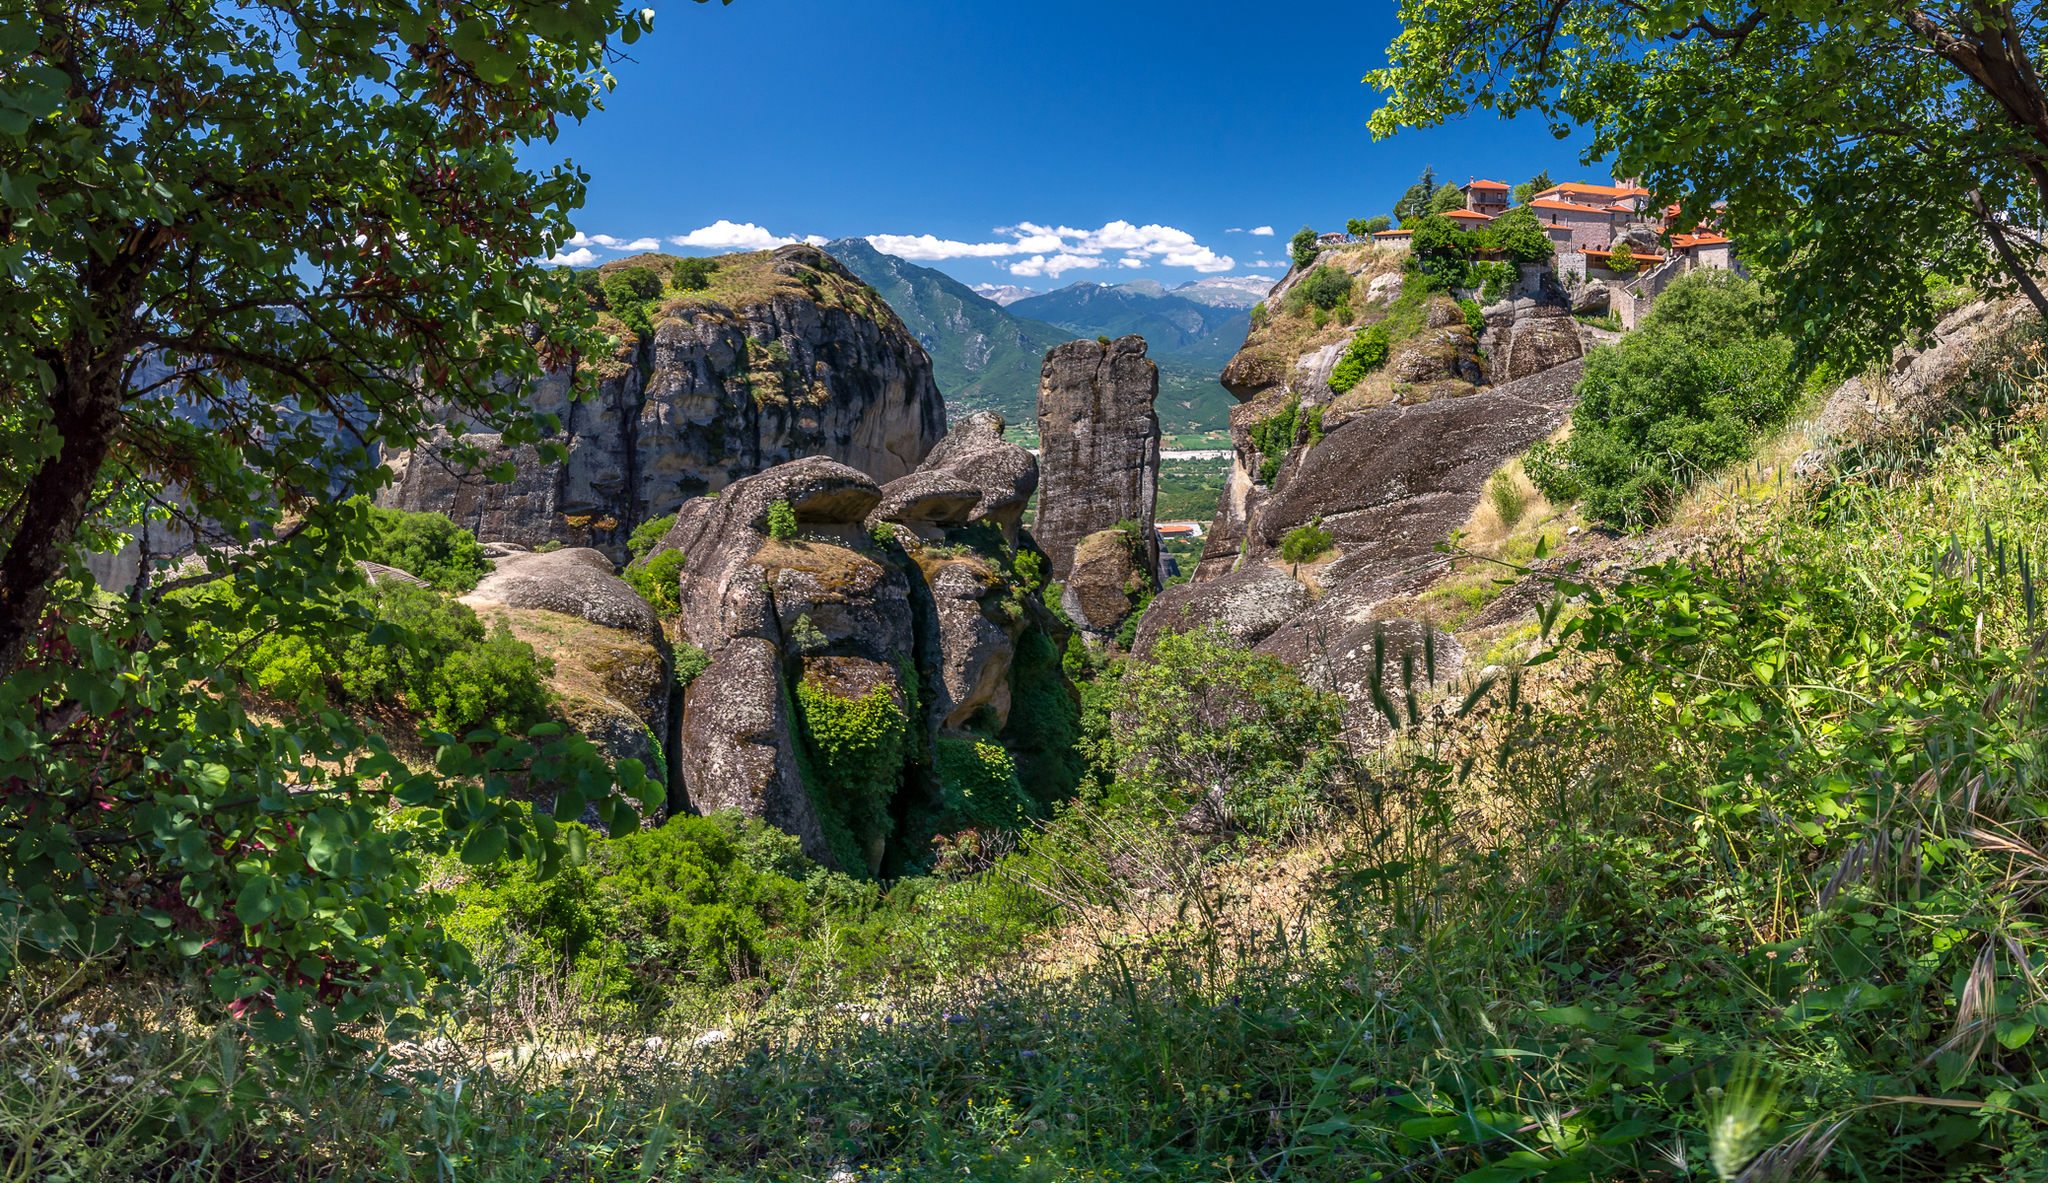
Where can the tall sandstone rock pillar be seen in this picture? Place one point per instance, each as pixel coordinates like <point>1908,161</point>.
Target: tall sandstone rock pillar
<point>1098,439</point>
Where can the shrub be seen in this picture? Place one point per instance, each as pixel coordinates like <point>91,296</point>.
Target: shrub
<point>630,285</point>
<point>1259,313</point>
<point>781,520</point>
<point>1303,249</point>
<point>1273,437</point>
<point>689,662</point>
<point>1326,287</point>
<point>1202,711</point>
<point>1305,542</point>
<point>1549,469</point>
<point>979,783</point>
<point>443,663</point>
<point>658,581</point>
<point>856,750</point>
<point>648,534</point>
<point>1367,353</point>
<point>427,546</point>
<point>692,902</point>
<point>1474,320</point>
<point>693,274</point>
<point>1623,260</point>
<point>1507,498</point>
<point>1101,339</point>
<point>1362,227</point>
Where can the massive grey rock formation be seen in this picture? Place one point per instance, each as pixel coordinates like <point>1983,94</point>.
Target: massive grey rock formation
<point>976,453</point>
<point>1388,484</point>
<point>1098,438</point>
<point>1531,333</point>
<point>1915,387</point>
<point>886,600</point>
<point>788,356</point>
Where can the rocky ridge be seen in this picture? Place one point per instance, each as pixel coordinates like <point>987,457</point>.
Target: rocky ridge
<point>787,354</point>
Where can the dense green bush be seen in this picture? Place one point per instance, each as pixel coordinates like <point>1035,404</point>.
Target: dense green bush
<point>1305,542</point>
<point>1368,352</point>
<point>437,658</point>
<point>1520,235</point>
<point>1326,287</point>
<point>855,751</point>
<point>1302,249</point>
<point>699,901</point>
<point>427,546</point>
<point>658,580</point>
<point>1203,713</point>
<point>693,274</point>
<point>1045,721</point>
<point>648,535</point>
<point>1366,227</point>
<point>980,786</point>
<point>781,520</point>
<point>1474,320</point>
<point>1687,394</point>
<point>1273,436</point>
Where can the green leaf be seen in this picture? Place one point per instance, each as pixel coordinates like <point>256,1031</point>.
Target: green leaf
<point>484,845</point>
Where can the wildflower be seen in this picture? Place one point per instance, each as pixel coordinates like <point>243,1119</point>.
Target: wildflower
<point>71,1071</point>
<point>70,1019</point>
<point>121,1080</point>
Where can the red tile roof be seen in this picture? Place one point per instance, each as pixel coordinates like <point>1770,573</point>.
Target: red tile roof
<point>1390,233</point>
<point>1682,241</point>
<point>1483,185</point>
<point>1544,203</point>
<point>1595,190</point>
<point>1466,213</point>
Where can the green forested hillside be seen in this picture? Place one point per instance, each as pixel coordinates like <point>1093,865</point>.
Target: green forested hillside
<point>983,356</point>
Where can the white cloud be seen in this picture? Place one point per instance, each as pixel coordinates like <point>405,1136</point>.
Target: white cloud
<point>1040,265</point>
<point>724,235</point>
<point>1235,230</point>
<point>1268,263</point>
<point>925,246</point>
<point>582,256</point>
<point>816,239</point>
<point>1064,247</point>
<point>1264,230</point>
<point>616,244</point>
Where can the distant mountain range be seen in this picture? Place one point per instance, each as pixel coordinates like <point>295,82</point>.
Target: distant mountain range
<point>988,342</point>
<point>982,356</point>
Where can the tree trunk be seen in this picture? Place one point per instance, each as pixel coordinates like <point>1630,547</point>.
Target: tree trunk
<point>2006,255</point>
<point>86,412</point>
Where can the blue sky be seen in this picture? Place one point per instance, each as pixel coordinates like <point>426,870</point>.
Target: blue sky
<point>1033,144</point>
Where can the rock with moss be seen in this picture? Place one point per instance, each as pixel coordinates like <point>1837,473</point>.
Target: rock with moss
<point>612,662</point>
<point>737,745</point>
<point>785,354</point>
<point>1098,437</point>
<point>973,624</point>
<point>1109,581</point>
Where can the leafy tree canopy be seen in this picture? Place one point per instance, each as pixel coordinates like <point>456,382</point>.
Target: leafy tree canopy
<point>1856,148</point>
<point>253,249</point>
<point>1528,189</point>
<point>1303,247</point>
<point>1415,202</point>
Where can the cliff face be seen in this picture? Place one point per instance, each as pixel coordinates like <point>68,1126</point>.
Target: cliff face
<point>1378,473</point>
<point>785,355</point>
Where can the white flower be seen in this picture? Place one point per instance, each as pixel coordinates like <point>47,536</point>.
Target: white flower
<point>69,1019</point>
<point>61,1039</point>
<point>121,1079</point>
<point>71,1071</point>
